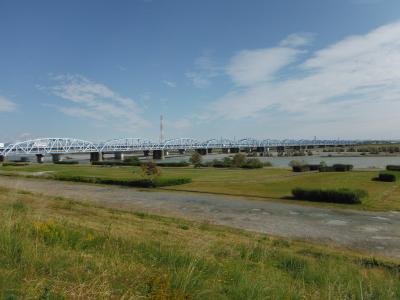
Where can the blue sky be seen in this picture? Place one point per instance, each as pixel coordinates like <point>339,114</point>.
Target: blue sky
<point>268,69</point>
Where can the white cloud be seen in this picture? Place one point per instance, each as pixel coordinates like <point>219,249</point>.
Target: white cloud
<point>96,101</point>
<point>169,83</point>
<point>7,105</point>
<point>182,124</point>
<point>351,88</point>
<point>249,67</point>
<point>298,39</point>
<point>204,71</point>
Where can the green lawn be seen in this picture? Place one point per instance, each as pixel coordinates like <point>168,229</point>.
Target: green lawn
<point>269,183</point>
<point>57,248</point>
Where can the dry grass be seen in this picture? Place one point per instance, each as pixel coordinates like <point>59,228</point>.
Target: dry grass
<point>55,248</point>
<point>267,183</point>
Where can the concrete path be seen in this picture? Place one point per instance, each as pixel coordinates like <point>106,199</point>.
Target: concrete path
<point>370,232</point>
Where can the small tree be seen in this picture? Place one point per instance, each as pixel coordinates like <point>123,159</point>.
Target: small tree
<point>196,159</point>
<point>150,170</point>
<point>238,160</point>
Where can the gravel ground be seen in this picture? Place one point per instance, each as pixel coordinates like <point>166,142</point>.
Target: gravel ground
<point>375,233</point>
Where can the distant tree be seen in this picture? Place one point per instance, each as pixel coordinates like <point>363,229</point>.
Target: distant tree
<point>150,170</point>
<point>196,160</point>
<point>238,160</point>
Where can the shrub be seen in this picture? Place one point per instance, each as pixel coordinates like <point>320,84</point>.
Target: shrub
<point>326,169</point>
<point>132,161</point>
<point>336,168</point>
<point>346,196</point>
<point>67,162</point>
<point>267,164</point>
<point>393,167</point>
<point>216,163</point>
<point>314,167</point>
<point>342,167</point>
<point>388,177</point>
<point>238,160</point>
<point>15,164</point>
<point>113,163</point>
<point>293,163</point>
<point>173,164</point>
<point>143,182</point>
<point>301,168</point>
<point>225,163</point>
<point>252,163</point>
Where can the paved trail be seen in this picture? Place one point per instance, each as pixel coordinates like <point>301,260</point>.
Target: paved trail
<point>370,232</point>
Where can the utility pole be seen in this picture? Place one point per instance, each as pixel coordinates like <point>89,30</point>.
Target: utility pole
<point>161,129</point>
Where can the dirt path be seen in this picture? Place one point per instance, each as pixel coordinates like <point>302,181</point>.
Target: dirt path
<point>370,232</point>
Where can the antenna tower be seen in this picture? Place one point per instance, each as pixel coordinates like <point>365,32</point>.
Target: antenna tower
<point>161,129</point>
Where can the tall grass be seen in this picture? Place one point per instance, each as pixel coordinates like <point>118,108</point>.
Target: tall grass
<point>48,251</point>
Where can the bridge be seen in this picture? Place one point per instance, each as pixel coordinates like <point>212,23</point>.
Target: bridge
<point>56,147</point>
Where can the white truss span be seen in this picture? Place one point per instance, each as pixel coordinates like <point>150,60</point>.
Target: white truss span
<point>70,145</point>
<point>50,146</point>
<point>127,144</point>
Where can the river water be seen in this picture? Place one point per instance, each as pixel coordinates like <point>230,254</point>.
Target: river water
<point>359,162</point>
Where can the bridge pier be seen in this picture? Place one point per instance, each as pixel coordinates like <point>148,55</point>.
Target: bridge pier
<point>209,150</point>
<point>56,158</point>
<point>119,156</point>
<point>202,151</point>
<point>146,153</point>
<point>158,154</point>
<point>260,149</point>
<point>39,158</point>
<point>96,156</point>
<point>234,150</point>
<point>181,151</point>
<point>2,158</point>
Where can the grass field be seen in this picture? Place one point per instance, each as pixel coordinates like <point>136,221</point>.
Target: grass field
<point>56,248</point>
<point>270,183</point>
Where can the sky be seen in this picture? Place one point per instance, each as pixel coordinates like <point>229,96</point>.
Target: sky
<point>99,70</point>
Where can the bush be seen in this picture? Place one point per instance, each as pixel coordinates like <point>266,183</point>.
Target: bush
<point>267,164</point>
<point>67,162</point>
<point>393,167</point>
<point>217,163</point>
<point>15,164</point>
<point>336,168</point>
<point>301,168</point>
<point>326,169</point>
<point>342,167</point>
<point>132,161</point>
<point>173,164</point>
<point>388,177</point>
<point>293,163</point>
<point>113,163</point>
<point>314,167</point>
<point>253,163</point>
<point>346,196</point>
<point>145,182</point>
<point>238,160</point>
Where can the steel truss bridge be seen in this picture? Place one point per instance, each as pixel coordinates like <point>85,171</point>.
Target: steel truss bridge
<point>55,146</point>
